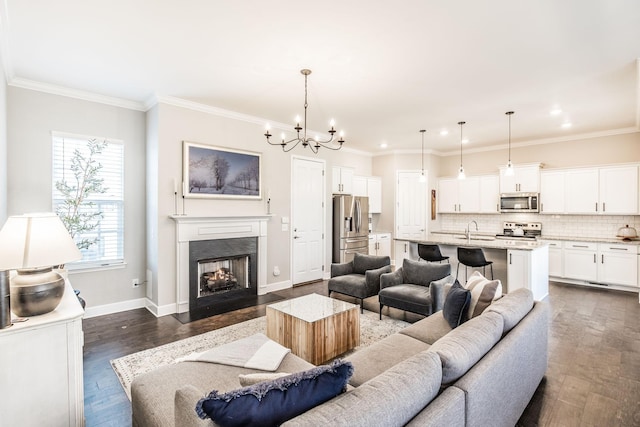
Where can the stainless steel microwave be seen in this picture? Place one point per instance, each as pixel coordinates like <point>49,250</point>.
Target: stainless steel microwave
<point>519,202</point>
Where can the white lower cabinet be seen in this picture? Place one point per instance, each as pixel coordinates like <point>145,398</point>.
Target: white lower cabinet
<point>605,263</point>
<point>556,267</point>
<point>528,269</point>
<point>380,244</point>
<point>402,250</point>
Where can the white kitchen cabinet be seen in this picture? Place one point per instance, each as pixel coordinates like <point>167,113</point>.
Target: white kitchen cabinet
<point>606,190</point>
<point>525,178</point>
<point>556,265</point>
<point>402,251</point>
<point>618,264</point>
<point>371,187</point>
<point>580,261</point>
<point>41,382</point>
<point>528,269</point>
<point>342,180</point>
<point>459,195</point>
<point>552,192</point>
<point>619,190</point>
<point>380,244</point>
<point>489,194</point>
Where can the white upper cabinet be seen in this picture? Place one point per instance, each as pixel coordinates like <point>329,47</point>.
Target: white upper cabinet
<point>342,180</point>
<point>525,178</point>
<point>619,190</point>
<point>552,193</point>
<point>459,195</point>
<point>371,187</point>
<point>489,194</point>
<point>605,191</point>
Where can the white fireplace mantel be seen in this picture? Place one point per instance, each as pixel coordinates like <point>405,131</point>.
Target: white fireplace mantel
<point>193,228</point>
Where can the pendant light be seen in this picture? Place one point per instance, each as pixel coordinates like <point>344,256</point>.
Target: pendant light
<point>509,170</point>
<point>422,177</point>
<point>461,174</point>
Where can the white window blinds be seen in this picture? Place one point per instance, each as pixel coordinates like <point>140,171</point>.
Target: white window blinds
<point>98,221</point>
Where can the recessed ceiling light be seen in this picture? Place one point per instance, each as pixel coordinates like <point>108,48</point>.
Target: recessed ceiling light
<point>465,140</point>
<point>555,111</point>
<point>566,125</point>
<point>444,132</point>
<point>383,145</point>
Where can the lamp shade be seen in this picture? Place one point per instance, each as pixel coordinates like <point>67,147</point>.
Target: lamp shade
<point>35,240</point>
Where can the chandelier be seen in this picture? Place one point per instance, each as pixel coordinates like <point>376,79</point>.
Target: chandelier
<point>313,143</point>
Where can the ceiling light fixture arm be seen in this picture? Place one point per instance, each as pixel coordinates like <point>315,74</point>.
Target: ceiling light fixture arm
<point>509,170</point>
<point>313,143</point>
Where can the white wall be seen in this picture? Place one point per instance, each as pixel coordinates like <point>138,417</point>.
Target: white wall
<point>31,117</point>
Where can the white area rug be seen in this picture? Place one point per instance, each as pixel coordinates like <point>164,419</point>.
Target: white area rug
<point>128,367</point>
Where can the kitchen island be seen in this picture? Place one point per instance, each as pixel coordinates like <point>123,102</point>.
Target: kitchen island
<point>516,263</point>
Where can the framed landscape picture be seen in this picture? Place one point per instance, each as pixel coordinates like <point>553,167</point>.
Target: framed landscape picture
<point>216,172</point>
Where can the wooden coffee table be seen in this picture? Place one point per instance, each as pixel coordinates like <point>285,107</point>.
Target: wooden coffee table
<point>315,328</point>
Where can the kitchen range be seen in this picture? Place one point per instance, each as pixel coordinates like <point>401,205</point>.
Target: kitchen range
<point>515,230</point>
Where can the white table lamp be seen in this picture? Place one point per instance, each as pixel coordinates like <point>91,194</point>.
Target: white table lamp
<point>32,244</point>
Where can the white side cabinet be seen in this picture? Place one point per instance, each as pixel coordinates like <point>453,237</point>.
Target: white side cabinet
<point>402,250</point>
<point>380,244</point>
<point>556,265</point>
<point>342,180</point>
<point>606,190</point>
<point>41,377</point>
<point>459,196</point>
<point>552,192</point>
<point>618,264</point>
<point>528,269</point>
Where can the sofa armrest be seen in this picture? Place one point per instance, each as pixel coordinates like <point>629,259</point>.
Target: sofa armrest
<point>391,279</point>
<point>372,279</point>
<point>437,292</point>
<point>340,269</point>
<point>185,402</point>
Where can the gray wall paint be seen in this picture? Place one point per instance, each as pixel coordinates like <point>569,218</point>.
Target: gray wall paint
<point>167,129</point>
<point>32,116</point>
<point>3,145</point>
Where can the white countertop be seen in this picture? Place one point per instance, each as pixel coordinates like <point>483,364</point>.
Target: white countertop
<point>479,240</point>
<point>481,234</point>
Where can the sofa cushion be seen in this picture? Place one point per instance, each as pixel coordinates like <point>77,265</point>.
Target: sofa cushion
<point>362,262</point>
<point>373,360</point>
<point>390,399</point>
<point>483,293</point>
<point>461,348</point>
<point>273,402</point>
<point>422,272</point>
<point>513,307</point>
<point>456,305</point>
<point>428,330</point>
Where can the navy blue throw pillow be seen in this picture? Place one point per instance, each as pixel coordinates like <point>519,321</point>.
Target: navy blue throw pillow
<point>271,403</point>
<point>456,305</point>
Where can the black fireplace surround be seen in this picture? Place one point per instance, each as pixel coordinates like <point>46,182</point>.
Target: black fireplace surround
<point>202,250</point>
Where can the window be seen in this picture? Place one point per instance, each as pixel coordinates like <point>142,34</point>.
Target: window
<point>101,245</point>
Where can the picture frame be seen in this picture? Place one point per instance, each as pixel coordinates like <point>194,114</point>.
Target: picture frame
<point>220,173</point>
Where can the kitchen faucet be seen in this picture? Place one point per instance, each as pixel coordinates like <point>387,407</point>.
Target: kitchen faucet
<point>468,230</point>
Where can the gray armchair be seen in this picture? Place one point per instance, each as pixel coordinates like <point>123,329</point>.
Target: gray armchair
<point>418,287</point>
<point>359,278</point>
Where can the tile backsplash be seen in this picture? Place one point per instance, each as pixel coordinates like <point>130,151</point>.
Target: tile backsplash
<point>573,226</point>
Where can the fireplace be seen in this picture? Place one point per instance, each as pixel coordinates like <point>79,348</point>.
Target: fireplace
<point>221,269</point>
<point>209,239</point>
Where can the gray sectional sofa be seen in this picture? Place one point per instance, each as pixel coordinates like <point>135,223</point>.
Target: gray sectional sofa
<point>483,373</point>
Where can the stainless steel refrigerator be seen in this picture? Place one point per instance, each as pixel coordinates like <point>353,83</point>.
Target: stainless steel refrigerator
<point>350,227</point>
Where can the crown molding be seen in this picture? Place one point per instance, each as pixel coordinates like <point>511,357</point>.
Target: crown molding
<point>75,93</point>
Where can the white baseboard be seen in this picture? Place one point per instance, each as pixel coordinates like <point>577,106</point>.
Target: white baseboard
<point>272,287</point>
<point>116,307</point>
<point>160,311</point>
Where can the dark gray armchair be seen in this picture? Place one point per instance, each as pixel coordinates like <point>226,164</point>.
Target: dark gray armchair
<point>418,287</point>
<point>359,278</point>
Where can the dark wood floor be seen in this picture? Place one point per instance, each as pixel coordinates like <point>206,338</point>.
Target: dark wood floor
<point>593,377</point>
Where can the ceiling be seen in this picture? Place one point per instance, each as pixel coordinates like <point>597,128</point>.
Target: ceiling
<point>382,72</point>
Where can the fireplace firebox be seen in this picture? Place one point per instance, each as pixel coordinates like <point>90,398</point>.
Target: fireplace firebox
<point>221,270</point>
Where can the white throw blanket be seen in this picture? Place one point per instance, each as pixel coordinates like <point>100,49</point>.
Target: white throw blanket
<point>254,352</point>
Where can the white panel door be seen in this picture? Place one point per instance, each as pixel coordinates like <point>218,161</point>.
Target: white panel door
<point>308,220</point>
<point>411,206</point>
